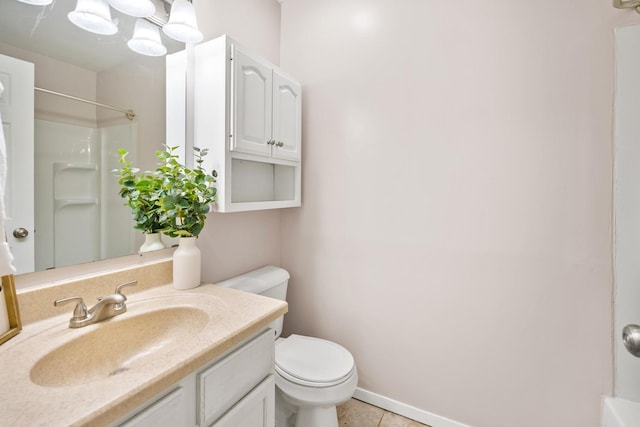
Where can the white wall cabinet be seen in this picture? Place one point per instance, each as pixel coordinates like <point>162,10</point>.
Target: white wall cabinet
<point>287,116</point>
<point>237,390</point>
<point>267,108</point>
<point>247,112</point>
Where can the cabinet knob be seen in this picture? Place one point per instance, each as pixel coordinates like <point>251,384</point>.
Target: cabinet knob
<point>280,144</point>
<point>270,142</point>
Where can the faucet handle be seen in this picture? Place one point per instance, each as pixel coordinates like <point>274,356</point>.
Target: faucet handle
<point>123,285</point>
<point>80,312</point>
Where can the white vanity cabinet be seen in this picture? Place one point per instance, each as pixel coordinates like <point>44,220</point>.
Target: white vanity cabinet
<point>171,410</point>
<point>236,390</point>
<point>247,112</point>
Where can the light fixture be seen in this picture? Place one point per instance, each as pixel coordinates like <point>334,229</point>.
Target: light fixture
<point>146,39</point>
<point>37,2</point>
<point>93,16</point>
<point>137,8</point>
<point>182,25</point>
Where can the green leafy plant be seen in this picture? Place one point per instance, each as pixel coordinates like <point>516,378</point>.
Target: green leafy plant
<point>172,199</point>
<point>143,192</point>
<point>187,194</point>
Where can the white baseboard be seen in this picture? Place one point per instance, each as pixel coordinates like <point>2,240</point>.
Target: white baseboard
<point>405,410</point>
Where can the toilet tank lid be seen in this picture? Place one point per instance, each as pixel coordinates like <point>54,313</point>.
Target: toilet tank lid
<point>258,281</point>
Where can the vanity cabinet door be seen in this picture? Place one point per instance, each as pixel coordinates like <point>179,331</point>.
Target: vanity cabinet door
<point>287,110</point>
<point>225,383</point>
<point>169,411</point>
<point>256,409</point>
<point>252,104</point>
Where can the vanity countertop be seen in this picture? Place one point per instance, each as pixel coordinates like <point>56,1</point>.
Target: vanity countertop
<point>233,316</point>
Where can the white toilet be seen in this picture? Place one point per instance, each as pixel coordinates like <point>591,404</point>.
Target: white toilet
<point>312,375</point>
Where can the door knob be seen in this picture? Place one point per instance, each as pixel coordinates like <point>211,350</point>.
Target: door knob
<point>631,339</point>
<point>20,233</point>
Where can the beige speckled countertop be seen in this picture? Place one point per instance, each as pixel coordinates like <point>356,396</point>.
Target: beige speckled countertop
<point>232,316</point>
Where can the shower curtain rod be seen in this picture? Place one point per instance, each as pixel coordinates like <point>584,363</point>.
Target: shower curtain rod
<point>129,113</point>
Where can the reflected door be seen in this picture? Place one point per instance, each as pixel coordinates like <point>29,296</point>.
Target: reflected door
<point>16,108</point>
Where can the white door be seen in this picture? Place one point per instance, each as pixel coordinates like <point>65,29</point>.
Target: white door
<point>287,108</point>
<point>251,100</point>
<point>16,108</point>
<point>627,208</point>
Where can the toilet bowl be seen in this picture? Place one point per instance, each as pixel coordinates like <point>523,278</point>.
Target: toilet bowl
<point>312,375</point>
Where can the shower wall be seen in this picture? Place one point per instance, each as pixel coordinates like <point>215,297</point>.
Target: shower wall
<point>116,227</point>
<point>79,216</point>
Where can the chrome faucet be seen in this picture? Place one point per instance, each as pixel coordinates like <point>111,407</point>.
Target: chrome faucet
<point>106,307</point>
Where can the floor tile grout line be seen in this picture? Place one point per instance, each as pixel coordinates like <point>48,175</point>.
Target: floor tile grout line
<point>383,413</point>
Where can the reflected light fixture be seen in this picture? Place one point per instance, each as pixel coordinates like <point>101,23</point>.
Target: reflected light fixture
<point>182,25</point>
<point>37,2</point>
<point>93,16</point>
<point>146,39</point>
<point>136,8</point>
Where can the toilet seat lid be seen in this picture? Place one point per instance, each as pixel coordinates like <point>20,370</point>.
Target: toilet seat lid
<point>313,360</point>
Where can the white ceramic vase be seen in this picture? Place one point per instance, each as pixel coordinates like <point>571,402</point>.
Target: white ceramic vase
<point>186,264</point>
<point>152,242</point>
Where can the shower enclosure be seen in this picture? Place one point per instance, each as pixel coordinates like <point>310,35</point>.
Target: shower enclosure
<point>79,216</point>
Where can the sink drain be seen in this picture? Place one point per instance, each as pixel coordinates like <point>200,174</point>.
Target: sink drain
<point>118,371</point>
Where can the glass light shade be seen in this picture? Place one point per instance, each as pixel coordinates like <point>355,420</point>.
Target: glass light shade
<point>93,16</point>
<point>37,2</point>
<point>182,25</point>
<point>146,39</point>
<point>137,8</point>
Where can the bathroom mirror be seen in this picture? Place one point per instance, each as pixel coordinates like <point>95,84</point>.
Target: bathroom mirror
<point>76,142</point>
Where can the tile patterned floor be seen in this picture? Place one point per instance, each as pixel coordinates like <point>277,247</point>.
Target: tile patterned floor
<point>355,413</point>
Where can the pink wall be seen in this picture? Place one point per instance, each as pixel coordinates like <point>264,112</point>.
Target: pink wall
<point>456,228</point>
<point>253,23</point>
<point>233,243</point>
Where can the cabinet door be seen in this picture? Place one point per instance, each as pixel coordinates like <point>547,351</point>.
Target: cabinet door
<point>167,412</point>
<point>224,383</point>
<point>252,103</point>
<point>287,108</point>
<point>256,409</point>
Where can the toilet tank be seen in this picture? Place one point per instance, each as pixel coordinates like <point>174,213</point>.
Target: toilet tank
<point>269,281</point>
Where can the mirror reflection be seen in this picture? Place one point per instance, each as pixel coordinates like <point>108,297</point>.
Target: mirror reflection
<point>60,189</point>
